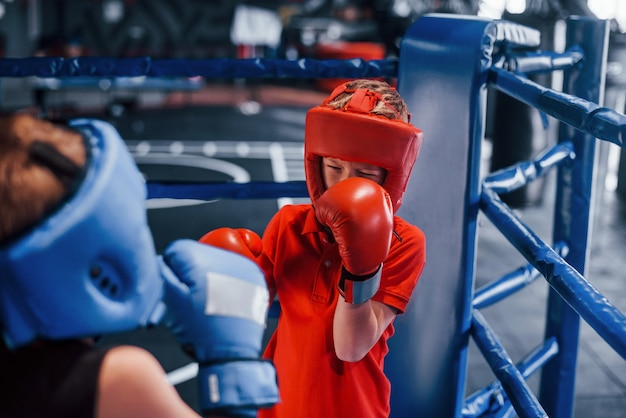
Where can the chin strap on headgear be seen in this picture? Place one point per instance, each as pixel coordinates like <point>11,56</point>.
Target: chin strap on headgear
<point>353,133</point>
<point>90,267</point>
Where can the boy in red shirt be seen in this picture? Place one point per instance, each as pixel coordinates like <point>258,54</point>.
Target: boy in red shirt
<point>344,266</point>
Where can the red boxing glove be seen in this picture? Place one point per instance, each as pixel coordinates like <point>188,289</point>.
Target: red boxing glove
<point>360,215</point>
<point>240,240</point>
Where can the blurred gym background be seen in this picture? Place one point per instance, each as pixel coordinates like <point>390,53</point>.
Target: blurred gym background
<point>287,29</point>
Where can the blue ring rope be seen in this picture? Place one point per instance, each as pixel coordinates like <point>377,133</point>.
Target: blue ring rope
<point>210,68</point>
<point>227,190</point>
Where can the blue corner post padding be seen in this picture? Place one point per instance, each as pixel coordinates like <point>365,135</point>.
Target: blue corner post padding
<point>444,61</point>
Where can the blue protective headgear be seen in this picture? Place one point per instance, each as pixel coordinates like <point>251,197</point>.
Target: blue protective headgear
<point>90,268</point>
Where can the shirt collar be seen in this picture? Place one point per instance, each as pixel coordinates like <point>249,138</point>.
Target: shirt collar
<point>311,225</point>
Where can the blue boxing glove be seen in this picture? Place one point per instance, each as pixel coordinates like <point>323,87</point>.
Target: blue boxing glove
<point>217,304</point>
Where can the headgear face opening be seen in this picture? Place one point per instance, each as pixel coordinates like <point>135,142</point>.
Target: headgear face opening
<point>354,134</point>
<point>90,267</point>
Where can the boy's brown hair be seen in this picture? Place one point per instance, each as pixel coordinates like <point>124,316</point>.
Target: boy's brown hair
<point>28,186</point>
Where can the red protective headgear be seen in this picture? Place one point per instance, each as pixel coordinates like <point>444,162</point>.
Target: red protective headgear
<point>354,134</point>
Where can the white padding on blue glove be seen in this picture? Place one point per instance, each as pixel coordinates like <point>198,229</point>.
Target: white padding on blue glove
<point>231,296</point>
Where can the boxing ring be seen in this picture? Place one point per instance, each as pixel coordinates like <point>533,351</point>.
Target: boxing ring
<point>445,66</point>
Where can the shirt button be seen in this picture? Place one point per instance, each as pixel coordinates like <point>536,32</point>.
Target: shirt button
<point>327,263</point>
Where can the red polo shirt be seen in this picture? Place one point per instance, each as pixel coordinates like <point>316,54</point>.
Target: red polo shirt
<point>302,265</point>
